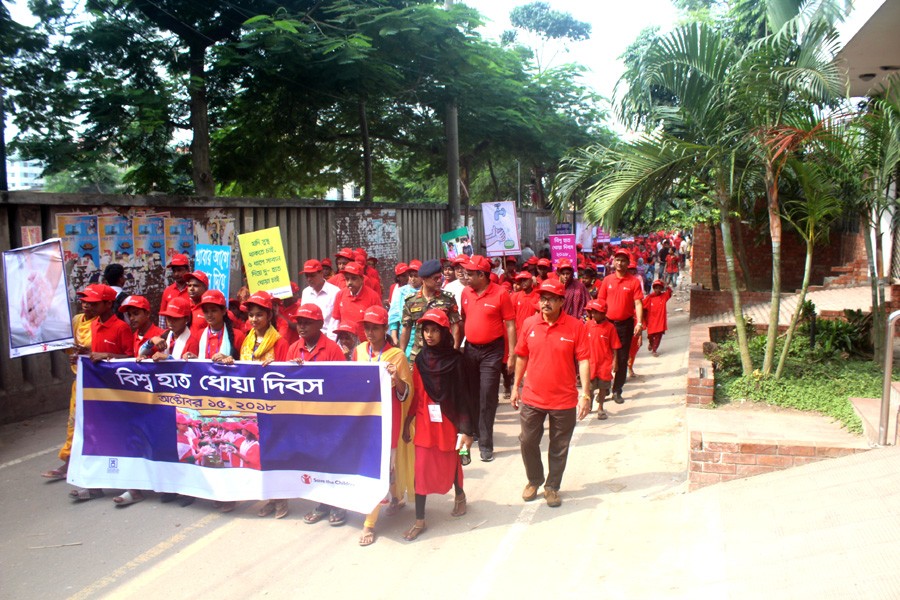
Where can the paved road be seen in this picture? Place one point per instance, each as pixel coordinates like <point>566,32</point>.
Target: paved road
<point>617,470</point>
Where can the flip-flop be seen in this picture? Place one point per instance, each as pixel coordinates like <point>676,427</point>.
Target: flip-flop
<point>414,532</point>
<point>54,475</point>
<point>82,494</point>
<point>459,505</point>
<point>127,498</point>
<point>314,516</point>
<point>281,509</point>
<point>337,517</point>
<point>267,509</point>
<point>367,538</point>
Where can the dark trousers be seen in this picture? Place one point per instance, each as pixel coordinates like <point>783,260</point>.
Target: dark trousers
<point>489,358</point>
<point>562,424</point>
<point>654,339</point>
<point>625,329</point>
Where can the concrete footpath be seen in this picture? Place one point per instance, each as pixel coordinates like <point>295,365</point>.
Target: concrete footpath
<point>627,527</point>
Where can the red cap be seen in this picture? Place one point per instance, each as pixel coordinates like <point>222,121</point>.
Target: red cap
<point>294,287</point>
<point>598,305</point>
<point>214,297</point>
<point>523,275</point>
<point>415,264</point>
<point>199,276</point>
<point>401,268</point>
<point>622,252</point>
<point>326,262</point>
<point>311,266</point>
<point>552,286</point>
<point>659,282</point>
<point>353,268</point>
<point>589,266</point>
<point>308,311</point>
<point>179,260</point>
<point>375,315</point>
<point>437,316</point>
<point>345,253</point>
<point>478,263</point>
<point>359,257</point>
<point>178,307</point>
<point>373,259</point>
<point>544,262</point>
<point>182,419</point>
<point>461,259</point>
<point>564,263</point>
<point>361,251</point>
<point>98,292</point>
<point>511,259</point>
<point>252,428</point>
<point>345,328</point>
<point>532,261</point>
<point>135,302</point>
<point>261,298</point>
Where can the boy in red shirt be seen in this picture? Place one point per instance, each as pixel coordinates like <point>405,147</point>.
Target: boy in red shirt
<point>138,310</point>
<point>603,342</point>
<point>673,263</point>
<point>655,309</point>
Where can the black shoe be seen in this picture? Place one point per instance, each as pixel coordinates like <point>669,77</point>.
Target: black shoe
<point>618,398</point>
<point>487,455</point>
<point>167,497</point>
<point>185,501</point>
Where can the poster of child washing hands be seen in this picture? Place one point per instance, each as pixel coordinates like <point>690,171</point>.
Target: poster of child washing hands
<point>37,304</point>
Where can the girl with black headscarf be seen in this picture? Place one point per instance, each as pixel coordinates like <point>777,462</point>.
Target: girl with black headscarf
<point>443,409</point>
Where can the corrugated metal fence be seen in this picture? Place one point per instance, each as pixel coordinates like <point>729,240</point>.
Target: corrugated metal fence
<point>310,229</point>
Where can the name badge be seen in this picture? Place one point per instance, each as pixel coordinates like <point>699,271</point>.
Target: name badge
<point>434,413</point>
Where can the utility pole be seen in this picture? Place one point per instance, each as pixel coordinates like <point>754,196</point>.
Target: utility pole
<point>451,126</point>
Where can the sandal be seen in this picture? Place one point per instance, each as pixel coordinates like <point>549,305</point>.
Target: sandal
<point>459,505</point>
<point>601,415</point>
<point>82,494</point>
<point>414,532</point>
<point>337,517</point>
<point>394,507</point>
<point>128,497</point>
<point>185,501</point>
<point>314,516</point>
<point>367,538</point>
<point>55,474</point>
<point>281,509</point>
<point>267,509</point>
<point>227,507</point>
<point>168,497</point>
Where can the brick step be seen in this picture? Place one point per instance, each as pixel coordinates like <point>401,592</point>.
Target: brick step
<point>843,269</point>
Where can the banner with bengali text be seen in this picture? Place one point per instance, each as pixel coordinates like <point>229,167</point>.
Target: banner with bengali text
<point>215,261</point>
<point>320,431</point>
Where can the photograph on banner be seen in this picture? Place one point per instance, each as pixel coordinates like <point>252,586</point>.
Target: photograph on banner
<point>40,318</point>
<point>264,262</point>
<point>584,235</point>
<point>116,241</point>
<point>241,432</point>
<point>501,228</point>
<point>179,237</point>
<point>215,261</point>
<point>81,249</point>
<point>149,271</point>
<point>457,242</point>
<point>563,246</point>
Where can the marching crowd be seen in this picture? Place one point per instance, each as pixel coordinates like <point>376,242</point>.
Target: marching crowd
<point>448,331</point>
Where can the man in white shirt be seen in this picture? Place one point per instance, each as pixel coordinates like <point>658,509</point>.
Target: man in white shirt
<point>321,293</point>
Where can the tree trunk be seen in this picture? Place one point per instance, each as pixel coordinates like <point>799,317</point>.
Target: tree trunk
<point>775,233</point>
<point>451,129</point>
<point>713,258</point>
<point>204,185</point>
<point>494,182</point>
<point>368,193</point>
<point>464,176</point>
<point>740,252</point>
<point>739,325</point>
<point>807,273</point>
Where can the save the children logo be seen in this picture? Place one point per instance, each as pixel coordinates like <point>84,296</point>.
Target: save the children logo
<point>113,466</point>
<point>306,479</point>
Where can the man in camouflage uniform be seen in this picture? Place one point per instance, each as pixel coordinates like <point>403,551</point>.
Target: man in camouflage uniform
<point>428,297</point>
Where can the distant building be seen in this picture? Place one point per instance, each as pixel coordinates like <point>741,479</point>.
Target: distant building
<point>24,175</point>
<point>350,192</point>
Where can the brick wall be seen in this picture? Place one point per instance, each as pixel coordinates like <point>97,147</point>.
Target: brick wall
<point>709,302</point>
<point>700,390</point>
<point>839,250</point>
<point>718,457</point>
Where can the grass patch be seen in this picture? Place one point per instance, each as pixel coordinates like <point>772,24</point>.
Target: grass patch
<point>814,380</point>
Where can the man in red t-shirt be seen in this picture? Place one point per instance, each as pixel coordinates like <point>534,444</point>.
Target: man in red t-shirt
<point>603,341</point>
<point>525,301</point>
<point>180,266</point>
<point>624,296</point>
<point>353,300</point>
<point>487,313</point>
<point>110,337</point>
<point>312,346</point>
<point>197,284</point>
<point>548,349</point>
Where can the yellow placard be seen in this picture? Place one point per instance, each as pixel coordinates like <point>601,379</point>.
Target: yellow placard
<point>264,262</point>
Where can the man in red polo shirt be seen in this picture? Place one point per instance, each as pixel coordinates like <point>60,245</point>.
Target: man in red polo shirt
<point>624,297</point>
<point>487,313</point>
<point>548,348</point>
<point>110,337</point>
<point>180,266</point>
<point>313,345</point>
<point>352,301</point>
<point>525,300</point>
<point>197,284</point>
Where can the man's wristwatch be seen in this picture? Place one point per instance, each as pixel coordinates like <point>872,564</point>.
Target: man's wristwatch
<point>585,396</point>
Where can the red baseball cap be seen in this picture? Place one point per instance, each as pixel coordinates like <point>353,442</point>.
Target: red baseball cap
<point>552,286</point>
<point>361,251</point>
<point>375,315</point>
<point>308,311</point>
<point>532,261</point>
<point>460,259</point>
<point>401,268</point>
<point>215,297</point>
<point>295,287</point>
<point>353,268</point>
<point>345,328</point>
<point>478,263</point>
<point>345,253</point>
<point>436,316</point>
<point>178,307</point>
<point>544,262</point>
<point>622,252</point>
<point>199,276</point>
<point>564,263</point>
<point>252,428</point>
<point>523,275</point>
<point>598,305</point>
<point>98,292</point>
<point>311,266</point>
<point>179,260</point>
<point>415,264</point>
<point>659,282</point>
<point>326,262</point>
<point>135,302</point>
<point>260,298</point>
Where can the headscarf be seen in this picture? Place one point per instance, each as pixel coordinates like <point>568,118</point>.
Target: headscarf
<point>447,381</point>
